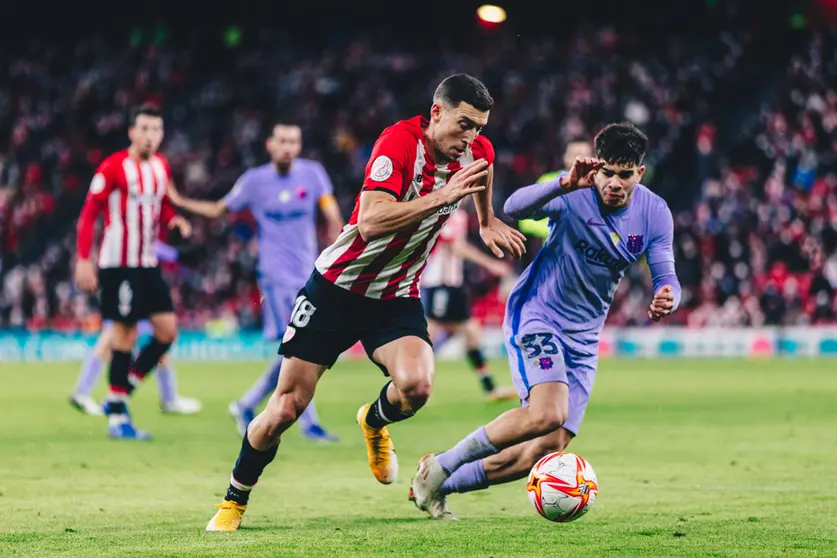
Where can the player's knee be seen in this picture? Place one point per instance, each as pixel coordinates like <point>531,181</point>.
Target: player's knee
<point>166,334</point>
<point>415,391</point>
<point>546,421</point>
<point>282,411</point>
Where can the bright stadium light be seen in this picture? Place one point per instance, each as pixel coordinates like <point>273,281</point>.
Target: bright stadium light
<point>489,13</point>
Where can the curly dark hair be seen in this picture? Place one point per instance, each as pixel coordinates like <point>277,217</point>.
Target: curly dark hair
<point>621,143</point>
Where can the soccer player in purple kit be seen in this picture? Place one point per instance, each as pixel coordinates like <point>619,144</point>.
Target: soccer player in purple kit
<point>601,220</point>
<point>94,362</point>
<point>284,196</point>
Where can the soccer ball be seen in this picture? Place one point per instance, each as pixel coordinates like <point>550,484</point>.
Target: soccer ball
<point>562,486</point>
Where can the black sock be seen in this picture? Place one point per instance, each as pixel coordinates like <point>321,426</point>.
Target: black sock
<point>487,382</point>
<point>120,364</point>
<point>476,360</point>
<point>147,359</point>
<point>383,412</point>
<point>248,468</point>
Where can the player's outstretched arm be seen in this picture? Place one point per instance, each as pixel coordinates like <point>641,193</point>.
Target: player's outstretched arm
<point>211,209</point>
<point>534,201</point>
<point>381,214</point>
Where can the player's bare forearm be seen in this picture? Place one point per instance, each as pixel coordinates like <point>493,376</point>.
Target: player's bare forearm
<point>210,209</point>
<point>526,201</point>
<point>482,199</point>
<point>334,221</point>
<point>380,214</point>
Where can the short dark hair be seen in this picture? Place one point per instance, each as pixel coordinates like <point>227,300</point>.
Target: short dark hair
<point>460,88</point>
<point>146,109</point>
<point>621,143</point>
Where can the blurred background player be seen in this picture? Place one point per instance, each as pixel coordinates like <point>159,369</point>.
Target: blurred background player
<point>129,187</point>
<point>601,221</point>
<point>445,297</point>
<point>170,400</point>
<point>539,228</point>
<point>284,196</point>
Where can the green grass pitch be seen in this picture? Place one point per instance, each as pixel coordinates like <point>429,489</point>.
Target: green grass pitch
<point>694,458</point>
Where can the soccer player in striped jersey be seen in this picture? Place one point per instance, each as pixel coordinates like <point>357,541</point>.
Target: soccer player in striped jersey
<point>129,188</point>
<point>91,370</point>
<point>601,220</point>
<point>365,286</point>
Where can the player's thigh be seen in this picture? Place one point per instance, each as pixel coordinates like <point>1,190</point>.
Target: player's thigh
<point>581,373</point>
<point>297,383</point>
<point>536,357</point>
<point>397,340</point>
<point>408,361</point>
<point>119,294</point>
<point>549,404</point>
<point>158,306</point>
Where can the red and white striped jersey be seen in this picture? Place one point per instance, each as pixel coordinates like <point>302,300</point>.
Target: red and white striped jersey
<point>132,195</point>
<point>390,266</point>
<point>444,266</point>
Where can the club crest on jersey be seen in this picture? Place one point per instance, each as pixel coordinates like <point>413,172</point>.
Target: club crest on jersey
<point>635,243</point>
<point>545,363</point>
<point>301,193</point>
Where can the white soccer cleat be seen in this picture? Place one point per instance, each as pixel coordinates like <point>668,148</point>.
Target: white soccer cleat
<point>425,486</point>
<point>181,406</point>
<point>86,404</point>
<point>438,509</point>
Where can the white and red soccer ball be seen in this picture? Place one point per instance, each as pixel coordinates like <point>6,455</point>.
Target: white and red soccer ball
<point>562,486</point>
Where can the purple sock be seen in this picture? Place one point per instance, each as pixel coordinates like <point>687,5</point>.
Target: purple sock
<point>467,478</point>
<point>166,383</point>
<point>263,387</point>
<point>472,447</point>
<point>90,372</point>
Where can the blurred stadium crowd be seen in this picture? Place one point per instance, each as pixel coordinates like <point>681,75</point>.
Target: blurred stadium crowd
<point>755,208</point>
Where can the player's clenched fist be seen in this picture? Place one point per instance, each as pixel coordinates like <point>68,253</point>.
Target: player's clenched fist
<point>469,180</point>
<point>581,173</point>
<point>662,305</point>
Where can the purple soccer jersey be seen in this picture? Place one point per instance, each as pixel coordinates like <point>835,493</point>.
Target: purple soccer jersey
<point>556,311</point>
<point>285,208</point>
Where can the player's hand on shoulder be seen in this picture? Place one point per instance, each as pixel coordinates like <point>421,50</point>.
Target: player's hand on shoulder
<point>663,304</point>
<point>582,172</point>
<point>86,276</point>
<point>468,180</point>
